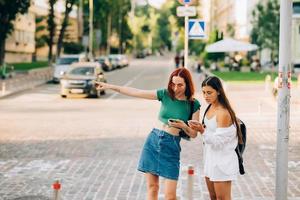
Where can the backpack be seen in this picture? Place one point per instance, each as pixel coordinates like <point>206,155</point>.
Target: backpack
<point>182,134</point>
<point>240,148</point>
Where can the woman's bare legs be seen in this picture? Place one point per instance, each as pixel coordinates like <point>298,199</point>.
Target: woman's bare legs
<point>211,189</point>
<point>152,186</point>
<point>170,189</point>
<point>223,190</point>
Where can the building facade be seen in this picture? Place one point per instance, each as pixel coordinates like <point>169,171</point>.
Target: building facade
<point>226,16</point>
<point>20,46</point>
<point>296,35</point>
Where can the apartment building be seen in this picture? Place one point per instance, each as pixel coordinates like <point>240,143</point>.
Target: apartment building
<point>20,45</point>
<point>227,16</point>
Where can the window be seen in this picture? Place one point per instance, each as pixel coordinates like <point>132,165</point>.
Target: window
<point>88,71</point>
<point>296,8</point>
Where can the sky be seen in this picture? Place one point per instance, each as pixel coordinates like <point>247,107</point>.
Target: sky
<point>154,3</point>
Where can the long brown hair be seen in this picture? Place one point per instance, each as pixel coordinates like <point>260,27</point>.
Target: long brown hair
<point>186,75</point>
<point>216,84</point>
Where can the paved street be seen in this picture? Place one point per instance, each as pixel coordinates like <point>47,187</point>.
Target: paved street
<point>92,145</point>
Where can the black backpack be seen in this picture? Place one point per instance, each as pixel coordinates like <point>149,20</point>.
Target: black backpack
<point>240,148</point>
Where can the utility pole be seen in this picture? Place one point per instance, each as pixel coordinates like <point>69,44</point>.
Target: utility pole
<point>186,39</point>
<point>91,28</point>
<point>284,86</point>
<point>80,20</point>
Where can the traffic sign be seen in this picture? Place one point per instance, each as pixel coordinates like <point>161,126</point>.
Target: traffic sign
<point>196,29</point>
<point>186,2</point>
<point>186,11</point>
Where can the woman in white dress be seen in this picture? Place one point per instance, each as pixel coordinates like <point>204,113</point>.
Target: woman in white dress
<point>221,134</point>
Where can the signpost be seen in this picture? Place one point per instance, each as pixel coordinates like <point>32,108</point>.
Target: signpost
<point>196,29</point>
<point>183,11</point>
<point>193,29</point>
<point>186,12</point>
<point>283,115</point>
<point>187,2</point>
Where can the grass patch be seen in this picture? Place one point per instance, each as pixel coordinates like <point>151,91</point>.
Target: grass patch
<point>29,65</point>
<point>245,76</point>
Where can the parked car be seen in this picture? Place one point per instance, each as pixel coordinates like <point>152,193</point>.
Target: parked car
<point>119,60</point>
<point>63,63</point>
<point>296,67</point>
<point>105,63</point>
<point>79,80</point>
<point>140,54</point>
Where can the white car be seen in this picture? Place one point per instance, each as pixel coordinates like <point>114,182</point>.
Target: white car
<point>119,60</point>
<point>63,63</point>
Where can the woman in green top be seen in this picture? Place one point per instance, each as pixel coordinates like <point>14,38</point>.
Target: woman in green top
<point>161,152</point>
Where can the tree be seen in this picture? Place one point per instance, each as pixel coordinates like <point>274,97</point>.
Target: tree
<point>265,32</point>
<point>68,8</point>
<point>164,29</point>
<point>8,12</point>
<point>51,29</point>
<point>40,38</point>
<point>72,47</point>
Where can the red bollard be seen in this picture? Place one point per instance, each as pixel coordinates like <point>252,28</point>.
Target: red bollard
<point>190,182</point>
<point>56,187</point>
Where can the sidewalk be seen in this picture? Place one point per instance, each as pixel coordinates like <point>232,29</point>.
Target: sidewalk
<point>25,81</point>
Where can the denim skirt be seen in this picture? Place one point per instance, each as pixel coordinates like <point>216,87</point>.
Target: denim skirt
<point>161,155</point>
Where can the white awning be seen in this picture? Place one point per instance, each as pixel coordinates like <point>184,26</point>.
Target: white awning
<point>230,45</point>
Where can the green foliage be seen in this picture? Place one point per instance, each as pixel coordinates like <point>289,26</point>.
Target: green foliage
<point>40,39</point>
<point>8,12</point>
<point>230,30</point>
<point>118,10</point>
<point>214,37</point>
<point>72,48</point>
<point>241,76</point>
<point>29,65</point>
<point>196,46</point>
<point>164,29</point>
<point>265,32</point>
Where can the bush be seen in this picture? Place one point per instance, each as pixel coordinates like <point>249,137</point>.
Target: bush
<point>73,48</point>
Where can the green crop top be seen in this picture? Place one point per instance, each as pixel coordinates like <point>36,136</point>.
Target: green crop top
<point>174,109</point>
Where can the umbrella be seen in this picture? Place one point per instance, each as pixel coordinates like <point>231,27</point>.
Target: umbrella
<point>230,45</point>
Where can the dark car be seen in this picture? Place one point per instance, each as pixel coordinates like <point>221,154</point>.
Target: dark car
<point>80,80</point>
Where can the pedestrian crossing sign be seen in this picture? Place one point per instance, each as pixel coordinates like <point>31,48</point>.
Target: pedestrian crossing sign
<point>196,29</point>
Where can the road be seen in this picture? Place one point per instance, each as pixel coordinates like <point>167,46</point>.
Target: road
<point>92,145</point>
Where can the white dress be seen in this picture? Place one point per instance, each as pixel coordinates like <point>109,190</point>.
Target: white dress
<point>220,159</point>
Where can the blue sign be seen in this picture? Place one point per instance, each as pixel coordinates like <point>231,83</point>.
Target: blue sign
<point>196,29</point>
<point>187,1</point>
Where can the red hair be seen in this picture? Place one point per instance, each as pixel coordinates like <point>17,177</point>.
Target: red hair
<point>186,75</point>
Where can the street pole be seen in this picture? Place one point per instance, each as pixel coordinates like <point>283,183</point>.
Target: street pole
<point>283,115</point>
<point>186,40</point>
<point>91,6</point>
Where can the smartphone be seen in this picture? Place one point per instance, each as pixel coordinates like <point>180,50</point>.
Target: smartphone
<point>173,120</point>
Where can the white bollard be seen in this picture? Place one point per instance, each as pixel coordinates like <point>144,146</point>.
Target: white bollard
<point>56,187</point>
<point>190,182</point>
<point>259,107</point>
<point>3,88</point>
<point>267,82</point>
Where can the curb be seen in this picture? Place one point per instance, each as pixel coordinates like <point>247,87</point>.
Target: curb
<point>31,79</point>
